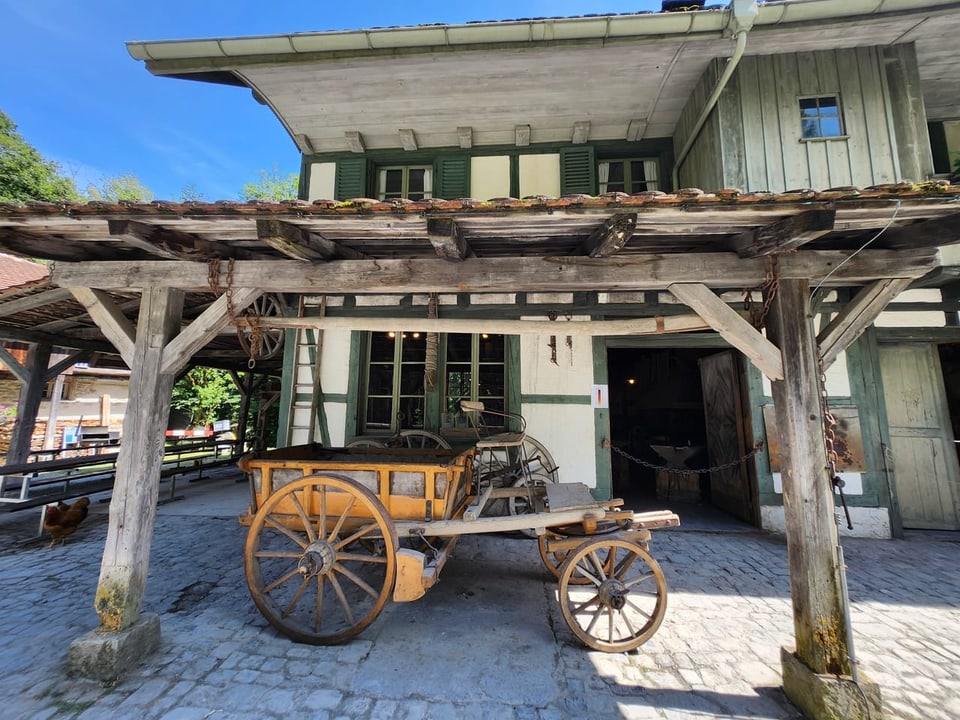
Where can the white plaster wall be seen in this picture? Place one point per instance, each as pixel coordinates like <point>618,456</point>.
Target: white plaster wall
<point>336,422</point>
<point>490,177</point>
<point>837,379</point>
<point>867,522</point>
<point>334,364</point>
<point>540,175</point>
<point>322,181</point>
<point>567,431</point>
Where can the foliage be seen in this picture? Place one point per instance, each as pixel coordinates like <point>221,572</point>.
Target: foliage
<point>207,395</point>
<point>122,188</point>
<point>272,187</point>
<point>190,193</point>
<point>24,174</point>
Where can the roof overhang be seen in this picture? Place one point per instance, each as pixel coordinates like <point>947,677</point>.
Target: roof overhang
<point>627,72</point>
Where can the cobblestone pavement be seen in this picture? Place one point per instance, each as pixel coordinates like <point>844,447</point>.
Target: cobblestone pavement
<point>487,642</point>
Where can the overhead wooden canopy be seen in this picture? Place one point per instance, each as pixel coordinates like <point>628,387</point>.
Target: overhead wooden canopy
<point>649,241</point>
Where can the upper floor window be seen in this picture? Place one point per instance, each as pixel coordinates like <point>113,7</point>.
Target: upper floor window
<point>820,117</point>
<point>411,182</point>
<point>628,176</point>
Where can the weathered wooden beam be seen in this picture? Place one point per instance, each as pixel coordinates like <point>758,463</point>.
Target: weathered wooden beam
<point>820,624</point>
<point>13,365</point>
<point>447,239</point>
<point>732,328</point>
<point>788,233</point>
<point>593,328</point>
<point>61,341</point>
<point>32,302</point>
<point>204,328</point>
<point>944,230</point>
<point>299,243</point>
<point>69,361</point>
<point>849,324</point>
<point>170,243</point>
<point>611,236</point>
<point>133,508</point>
<point>110,319</point>
<point>28,403</point>
<point>527,274</point>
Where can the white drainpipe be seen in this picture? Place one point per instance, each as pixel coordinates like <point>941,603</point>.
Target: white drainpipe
<point>743,13</point>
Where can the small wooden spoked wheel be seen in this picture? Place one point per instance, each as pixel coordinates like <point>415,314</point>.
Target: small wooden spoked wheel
<point>613,595</point>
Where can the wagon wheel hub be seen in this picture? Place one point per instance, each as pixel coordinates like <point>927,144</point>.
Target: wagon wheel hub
<point>317,559</point>
<point>613,594</point>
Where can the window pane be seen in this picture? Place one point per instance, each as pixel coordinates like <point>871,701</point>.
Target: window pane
<point>411,379</point>
<point>459,379</point>
<point>379,412</point>
<point>458,347</point>
<point>491,381</point>
<point>491,348</point>
<point>411,411</point>
<point>381,379</point>
<point>393,182</point>
<point>810,128</point>
<point>830,126</point>
<point>381,347</point>
<point>638,181</point>
<point>808,107</point>
<point>414,347</point>
<point>616,173</point>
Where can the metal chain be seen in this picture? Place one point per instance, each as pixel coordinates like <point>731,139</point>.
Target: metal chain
<point>255,343</point>
<point>685,471</point>
<point>768,289</point>
<point>830,436</point>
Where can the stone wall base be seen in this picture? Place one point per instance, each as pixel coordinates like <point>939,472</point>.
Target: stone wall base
<point>828,697</point>
<point>106,656</point>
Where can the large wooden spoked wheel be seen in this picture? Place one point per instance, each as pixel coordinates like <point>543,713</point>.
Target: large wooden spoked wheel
<point>264,343</point>
<point>321,559</point>
<point>553,559</point>
<point>406,439</point>
<point>624,598</point>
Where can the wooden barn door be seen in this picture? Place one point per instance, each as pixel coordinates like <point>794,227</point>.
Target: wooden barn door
<point>921,437</point>
<point>731,489</point>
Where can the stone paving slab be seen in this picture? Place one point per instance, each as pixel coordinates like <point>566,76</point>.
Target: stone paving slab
<point>487,642</point>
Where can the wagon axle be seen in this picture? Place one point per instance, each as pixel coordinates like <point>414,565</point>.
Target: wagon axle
<point>318,559</point>
<point>613,594</point>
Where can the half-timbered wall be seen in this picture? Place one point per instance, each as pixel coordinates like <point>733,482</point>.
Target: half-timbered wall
<point>753,139</point>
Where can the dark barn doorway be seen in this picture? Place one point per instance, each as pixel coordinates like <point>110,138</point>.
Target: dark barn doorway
<point>678,409</point>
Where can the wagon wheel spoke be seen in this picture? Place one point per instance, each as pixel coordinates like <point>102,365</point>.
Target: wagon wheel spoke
<point>296,596</point>
<point>358,581</point>
<point>344,605</point>
<point>307,525</point>
<point>275,524</point>
<point>612,614</point>
<point>298,574</point>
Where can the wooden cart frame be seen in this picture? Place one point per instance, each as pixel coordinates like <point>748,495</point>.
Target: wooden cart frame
<point>334,533</point>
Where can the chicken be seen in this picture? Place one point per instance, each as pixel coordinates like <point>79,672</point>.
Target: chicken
<point>62,519</point>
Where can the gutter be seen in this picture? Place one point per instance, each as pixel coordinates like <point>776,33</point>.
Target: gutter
<point>743,13</point>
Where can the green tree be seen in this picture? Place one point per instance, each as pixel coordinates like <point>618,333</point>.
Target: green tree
<point>190,193</point>
<point>25,175</point>
<point>122,188</point>
<point>272,187</point>
<point>207,395</point>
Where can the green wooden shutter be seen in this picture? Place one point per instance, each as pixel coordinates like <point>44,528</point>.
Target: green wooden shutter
<point>578,171</point>
<point>351,179</point>
<point>452,177</point>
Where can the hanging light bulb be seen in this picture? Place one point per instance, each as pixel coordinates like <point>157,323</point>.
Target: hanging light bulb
<point>391,334</point>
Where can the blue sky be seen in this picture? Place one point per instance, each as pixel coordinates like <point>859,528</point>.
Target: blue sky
<point>67,81</point>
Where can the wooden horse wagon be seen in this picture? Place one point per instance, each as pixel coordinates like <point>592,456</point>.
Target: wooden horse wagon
<point>334,533</point>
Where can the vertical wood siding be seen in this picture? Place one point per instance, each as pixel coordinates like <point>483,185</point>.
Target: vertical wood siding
<point>752,139</point>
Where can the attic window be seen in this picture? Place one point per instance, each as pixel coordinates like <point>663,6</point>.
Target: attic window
<point>630,176</point>
<point>820,117</point>
<point>413,182</point>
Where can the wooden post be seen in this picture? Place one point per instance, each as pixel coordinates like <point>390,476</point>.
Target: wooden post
<point>28,404</point>
<point>123,571</point>
<point>818,614</point>
<point>50,432</point>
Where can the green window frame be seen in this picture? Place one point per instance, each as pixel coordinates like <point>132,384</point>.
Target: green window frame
<point>394,396</point>
<point>409,182</point>
<point>820,117</point>
<point>628,175</point>
<point>475,369</point>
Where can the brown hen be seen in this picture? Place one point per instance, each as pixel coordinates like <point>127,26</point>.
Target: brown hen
<point>62,519</point>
